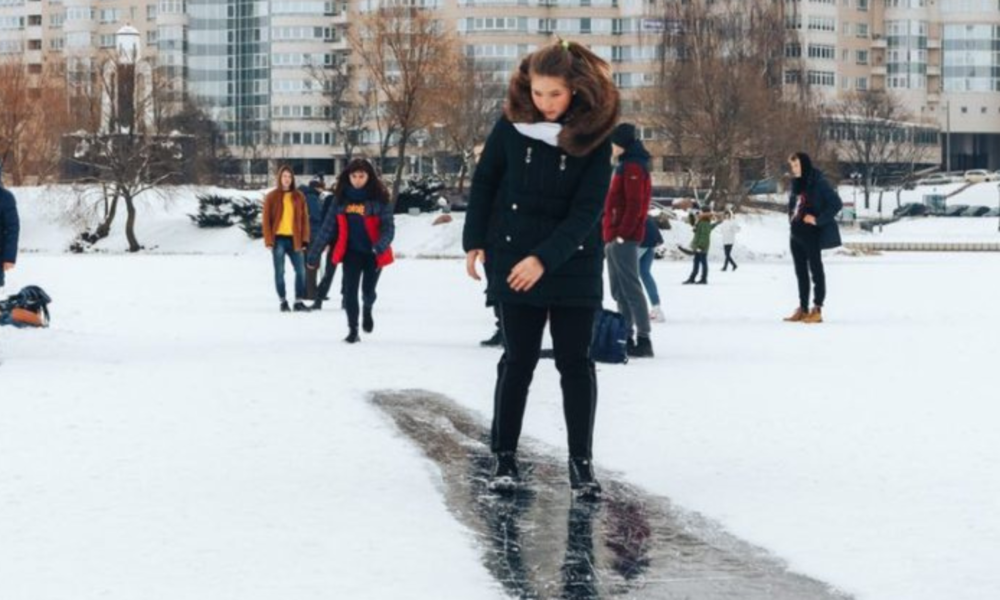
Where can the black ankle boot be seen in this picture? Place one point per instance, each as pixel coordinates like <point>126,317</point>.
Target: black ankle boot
<point>353,337</point>
<point>284,306</point>
<point>300,306</point>
<point>643,348</point>
<point>505,477</point>
<point>496,340</point>
<point>582,480</point>
<point>367,323</point>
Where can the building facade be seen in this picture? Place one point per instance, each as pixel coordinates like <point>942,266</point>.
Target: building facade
<point>251,64</point>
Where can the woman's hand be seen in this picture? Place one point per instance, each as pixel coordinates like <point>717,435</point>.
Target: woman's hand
<point>809,220</point>
<point>471,257</point>
<point>525,274</point>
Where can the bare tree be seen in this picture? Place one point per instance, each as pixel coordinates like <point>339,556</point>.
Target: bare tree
<point>875,135</point>
<point>407,54</point>
<point>33,116</point>
<point>127,155</point>
<point>347,109</point>
<point>720,101</point>
<point>470,109</point>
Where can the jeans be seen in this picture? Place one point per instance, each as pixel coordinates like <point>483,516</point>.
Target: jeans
<point>700,260</point>
<point>522,327</point>
<point>646,257</point>
<point>729,257</point>
<point>808,259</point>
<point>626,285</point>
<point>283,247</point>
<point>359,272</point>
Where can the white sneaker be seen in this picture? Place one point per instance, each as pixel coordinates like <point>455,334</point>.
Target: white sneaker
<point>656,315</point>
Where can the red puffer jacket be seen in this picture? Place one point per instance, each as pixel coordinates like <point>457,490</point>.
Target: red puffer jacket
<point>627,204</point>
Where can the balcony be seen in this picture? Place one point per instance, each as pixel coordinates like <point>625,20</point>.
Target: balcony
<point>933,71</point>
<point>933,44</point>
<point>879,42</point>
<point>340,18</point>
<point>879,71</point>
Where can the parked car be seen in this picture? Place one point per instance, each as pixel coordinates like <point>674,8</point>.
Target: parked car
<point>935,179</point>
<point>976,211</point>
<point>955,210</point>
<point>977,176</point>
<point>994,212</point>
<point>912,209</point>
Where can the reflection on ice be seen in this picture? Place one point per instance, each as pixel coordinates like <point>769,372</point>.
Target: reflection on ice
<point>540,543</point>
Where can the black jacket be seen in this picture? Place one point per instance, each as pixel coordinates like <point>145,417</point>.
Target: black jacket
<point>10,228</point>
<point>550,206</point>
<point>824,203</point>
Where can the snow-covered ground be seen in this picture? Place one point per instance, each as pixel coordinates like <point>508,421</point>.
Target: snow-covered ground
<point>174,436</point>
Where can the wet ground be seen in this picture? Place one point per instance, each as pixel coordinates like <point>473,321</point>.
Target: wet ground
<point>541,543</point>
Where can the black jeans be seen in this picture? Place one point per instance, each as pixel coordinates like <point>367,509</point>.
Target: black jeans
<point>808,258</point>
<point>522,328</point>
<point>729,257</point>
<point>700,259</point>
<point>359,271</point>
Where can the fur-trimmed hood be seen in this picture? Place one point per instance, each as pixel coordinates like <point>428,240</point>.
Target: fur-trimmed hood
<point>584,126</point>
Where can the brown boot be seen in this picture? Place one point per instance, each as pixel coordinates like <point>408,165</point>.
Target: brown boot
<point>814,316</point>
<point>797,316</point>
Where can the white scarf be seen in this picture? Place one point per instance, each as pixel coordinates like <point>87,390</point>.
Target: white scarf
<point>546,132</point>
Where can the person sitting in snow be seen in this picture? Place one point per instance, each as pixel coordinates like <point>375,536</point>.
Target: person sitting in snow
<point>10,229</point>
<point>363,226</point>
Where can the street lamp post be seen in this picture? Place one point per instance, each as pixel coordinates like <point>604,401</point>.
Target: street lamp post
<point>855,178</point>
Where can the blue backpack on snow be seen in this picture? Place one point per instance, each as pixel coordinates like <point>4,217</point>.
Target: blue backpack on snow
<point>607,345</point>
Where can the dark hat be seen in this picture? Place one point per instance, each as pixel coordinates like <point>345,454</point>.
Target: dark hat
<point>318,181</point>
<point>624,135</point>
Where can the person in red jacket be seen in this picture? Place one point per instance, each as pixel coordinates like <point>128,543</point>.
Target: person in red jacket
<point>624,226</point>
<point>361,229</point>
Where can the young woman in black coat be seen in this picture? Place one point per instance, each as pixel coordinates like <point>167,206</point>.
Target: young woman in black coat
<point>548,165</point>
<point>813,205</point>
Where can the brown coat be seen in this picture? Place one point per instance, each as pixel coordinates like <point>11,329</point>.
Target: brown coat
<point>271,218</point>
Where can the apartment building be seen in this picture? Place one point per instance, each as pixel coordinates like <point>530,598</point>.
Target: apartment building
<point>941,57</point>
<point>250,63</point>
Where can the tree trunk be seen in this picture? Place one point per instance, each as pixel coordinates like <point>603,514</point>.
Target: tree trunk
<point>461,177</point>
<point>104,229</point>
<point>133,243</point>
<point>400,162</point>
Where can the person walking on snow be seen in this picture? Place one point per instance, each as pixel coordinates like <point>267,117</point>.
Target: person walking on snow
<point>702,241</point>
<point>647,254</point>
<point>813,205</point>
<point>363,227</point>
<point>729,230</point>
<point>548,163</point>
<point>319,202</point>
<point>624,226</point>
<point>10,229</point>
<point>286,232</point>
